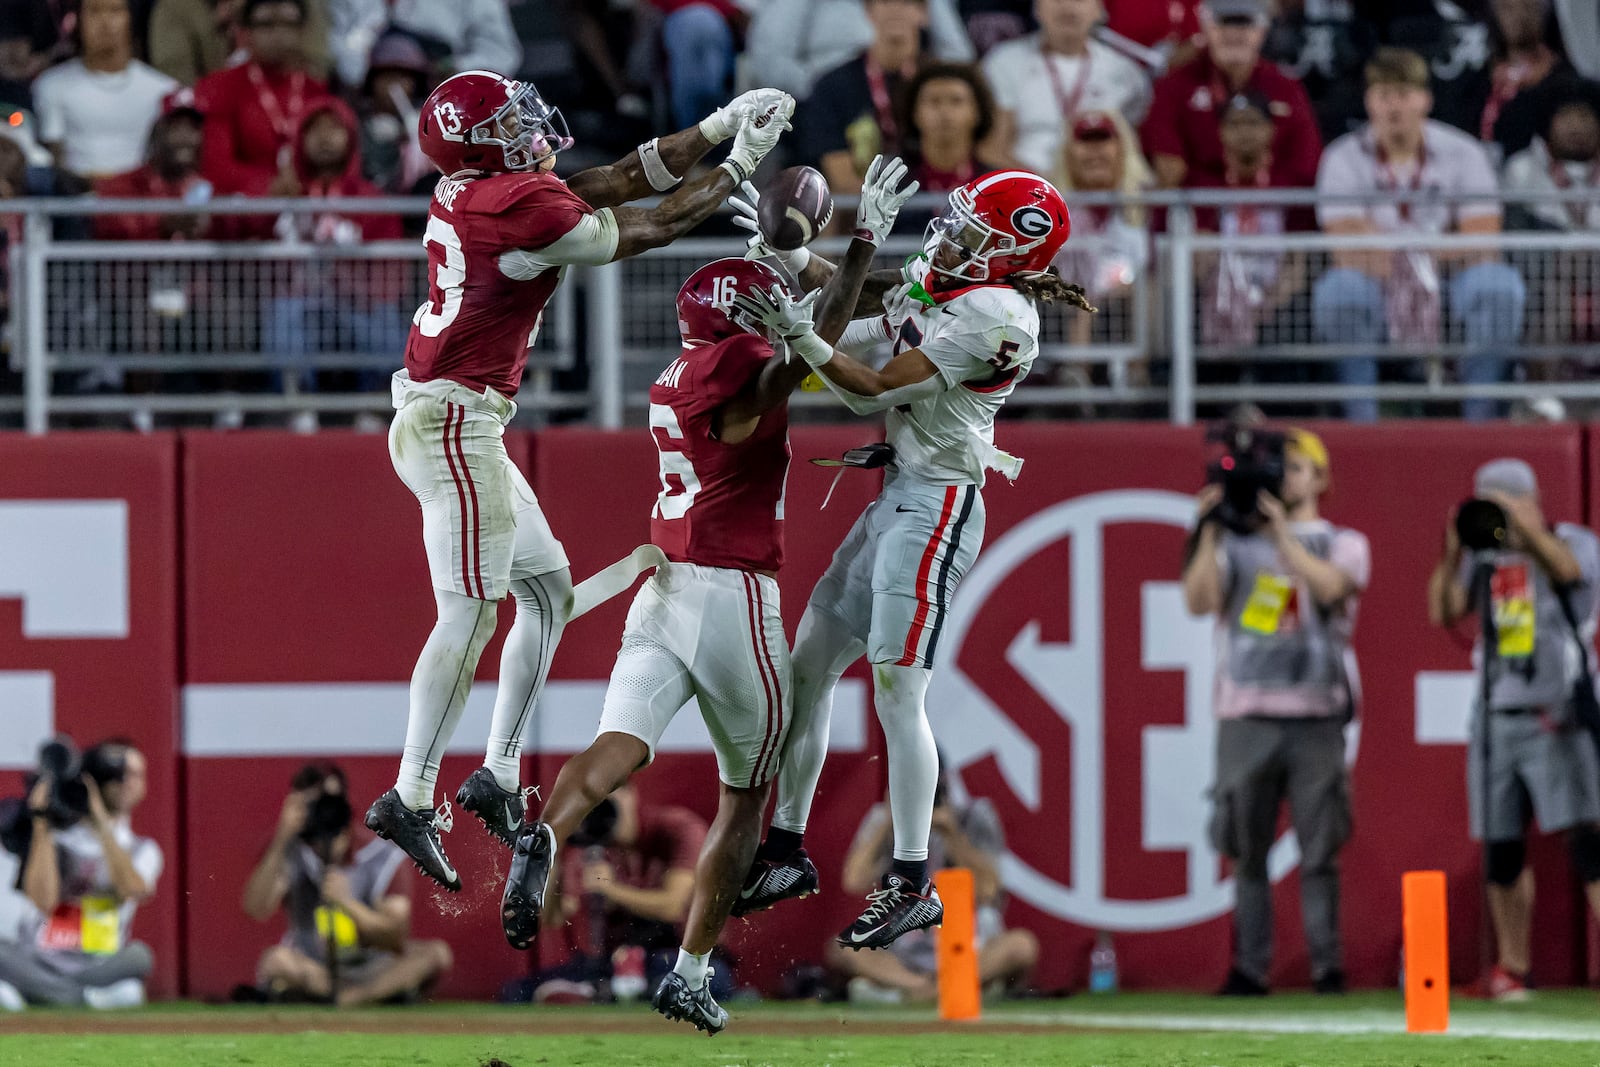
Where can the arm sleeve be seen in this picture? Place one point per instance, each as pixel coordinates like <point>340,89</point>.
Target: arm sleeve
<point>932,385</point>
<point>1338,175</point>
<point>148,861</point>
<point>1352,555</point>
<point>1162,132</point>
<point>863,335</point>
<point>590,240</point>
<point>950,41</point>
<point>491,43</point>
<point>47,104</point>
<point>1476,176</point>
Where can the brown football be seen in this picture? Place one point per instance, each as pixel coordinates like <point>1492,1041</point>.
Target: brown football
<point>795,208</point>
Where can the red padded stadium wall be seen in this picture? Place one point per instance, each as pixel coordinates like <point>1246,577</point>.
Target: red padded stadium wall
<point>120,679</point>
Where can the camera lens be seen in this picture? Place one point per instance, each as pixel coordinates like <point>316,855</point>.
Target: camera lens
<point>1481,525</point>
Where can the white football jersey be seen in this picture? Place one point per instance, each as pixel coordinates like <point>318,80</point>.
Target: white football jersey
<point>983,343</point>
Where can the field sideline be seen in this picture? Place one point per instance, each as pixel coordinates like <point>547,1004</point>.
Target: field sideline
<point>1557,1029</point>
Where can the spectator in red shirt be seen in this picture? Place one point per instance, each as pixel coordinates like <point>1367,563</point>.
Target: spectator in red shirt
<point>171,171</point>
<point>1183,135</point>
<point>333,304</point>
<point>254,109</point>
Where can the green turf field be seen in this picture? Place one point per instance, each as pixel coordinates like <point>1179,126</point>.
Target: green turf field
<point>1131,1030</point>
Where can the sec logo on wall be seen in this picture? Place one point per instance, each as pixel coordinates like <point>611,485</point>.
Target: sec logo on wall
<point>1053,604</point>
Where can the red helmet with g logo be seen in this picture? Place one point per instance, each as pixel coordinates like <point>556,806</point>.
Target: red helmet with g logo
<point>481,121</point>
<point>705,303</point>
<point>997,225</point>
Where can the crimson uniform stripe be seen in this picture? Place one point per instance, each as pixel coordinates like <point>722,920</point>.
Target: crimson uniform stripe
<point>764,655</point>
<point>472,490</point>
<point>920,621</point>
<point>461,494</point>
<point>761,669</point>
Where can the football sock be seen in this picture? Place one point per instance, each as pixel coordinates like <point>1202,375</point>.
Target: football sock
<point>542,606</point>
<point>897,693</point>
<point>780,844</point>
<point>692,968</point>
<point>439,687</point>
<point>913,871</point>
<point>823,648</point>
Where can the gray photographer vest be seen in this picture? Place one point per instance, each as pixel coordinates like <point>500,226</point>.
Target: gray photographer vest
<point>1275,636</point>
<point>1538,656</point>
<point>310,919</point>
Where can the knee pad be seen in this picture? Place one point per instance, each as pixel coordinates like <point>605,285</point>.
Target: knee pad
<point>1585,845</point>
<point>1504,862</point>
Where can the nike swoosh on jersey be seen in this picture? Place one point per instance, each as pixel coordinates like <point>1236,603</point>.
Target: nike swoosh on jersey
<point>900,509</point>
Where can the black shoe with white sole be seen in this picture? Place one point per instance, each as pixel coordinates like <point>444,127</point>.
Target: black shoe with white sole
<point>770,882</point>
<point>895,909</point>
<point>500,810</point>
<point>417,834</point>
<point>677,1001</point>
<point>523,900</point>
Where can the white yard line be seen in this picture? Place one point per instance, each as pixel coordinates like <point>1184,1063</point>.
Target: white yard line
<point>1356,1022</point>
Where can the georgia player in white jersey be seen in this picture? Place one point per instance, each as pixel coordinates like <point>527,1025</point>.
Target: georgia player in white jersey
<point>502,229</point>
<point>965,331</point>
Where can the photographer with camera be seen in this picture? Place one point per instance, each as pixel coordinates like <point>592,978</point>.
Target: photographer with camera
<point>85,871</point>
<point>1534,590</point>
<point>1283,585</point>
<point>347,941</point>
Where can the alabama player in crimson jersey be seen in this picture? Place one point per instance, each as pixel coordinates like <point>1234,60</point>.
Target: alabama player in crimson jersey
<point>964,331</point>
<point>502,229</point>
<point>707,624</point>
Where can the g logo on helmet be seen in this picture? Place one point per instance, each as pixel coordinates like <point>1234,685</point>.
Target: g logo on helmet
<point>1032,222</point>
<point>449,120</point>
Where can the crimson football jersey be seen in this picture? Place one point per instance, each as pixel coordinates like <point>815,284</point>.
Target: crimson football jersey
<point>720,505</point>
<point>486,295</point>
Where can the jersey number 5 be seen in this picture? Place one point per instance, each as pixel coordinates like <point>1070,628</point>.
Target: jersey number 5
<point>675,500</point>
<point>432,318</point>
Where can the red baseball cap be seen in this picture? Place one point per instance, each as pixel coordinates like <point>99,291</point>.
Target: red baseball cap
<point>1094,126</point>
<point>182,99</point>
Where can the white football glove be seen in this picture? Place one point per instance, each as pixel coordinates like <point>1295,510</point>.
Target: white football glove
<point>788,320</point>
<point>746,217</point>
<point>882,198</point>
<point>757,136</point>
<point>724,122</point>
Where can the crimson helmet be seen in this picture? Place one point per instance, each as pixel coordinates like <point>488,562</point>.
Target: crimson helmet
<point>1001,223</point>
<point>705,303</point>
<point>479,120</point>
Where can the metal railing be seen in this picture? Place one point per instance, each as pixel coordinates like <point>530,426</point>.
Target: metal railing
<point>1189,321</point>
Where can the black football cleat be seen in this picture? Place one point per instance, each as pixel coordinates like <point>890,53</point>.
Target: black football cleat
<point>417,834</point>
<point>768,882</point>
<point>532,857</point>
<point>677,1001</point>
<point>499,810</point>
<point>896,909</point>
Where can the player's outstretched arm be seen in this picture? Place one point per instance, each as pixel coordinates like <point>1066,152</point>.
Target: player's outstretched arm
<point>738,418</point>
<point>658,165</point>
<point>640,229</point>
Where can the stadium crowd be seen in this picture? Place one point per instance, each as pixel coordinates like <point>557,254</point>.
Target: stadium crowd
<point>202,100</point>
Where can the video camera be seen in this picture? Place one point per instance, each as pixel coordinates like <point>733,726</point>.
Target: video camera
<point>328,814</point>
<point>67,770</point>
<point>1481,525</point>
<point>1250,461</point>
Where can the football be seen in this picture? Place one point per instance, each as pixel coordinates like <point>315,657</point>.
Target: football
<point>795,208</point>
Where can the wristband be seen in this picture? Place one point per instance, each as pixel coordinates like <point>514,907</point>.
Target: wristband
<point>655,171</point>
<point>811,348</point>
<point>715,128</point>
<point>863,233</point>
<point>794,261</point>
<point>735,168</point>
